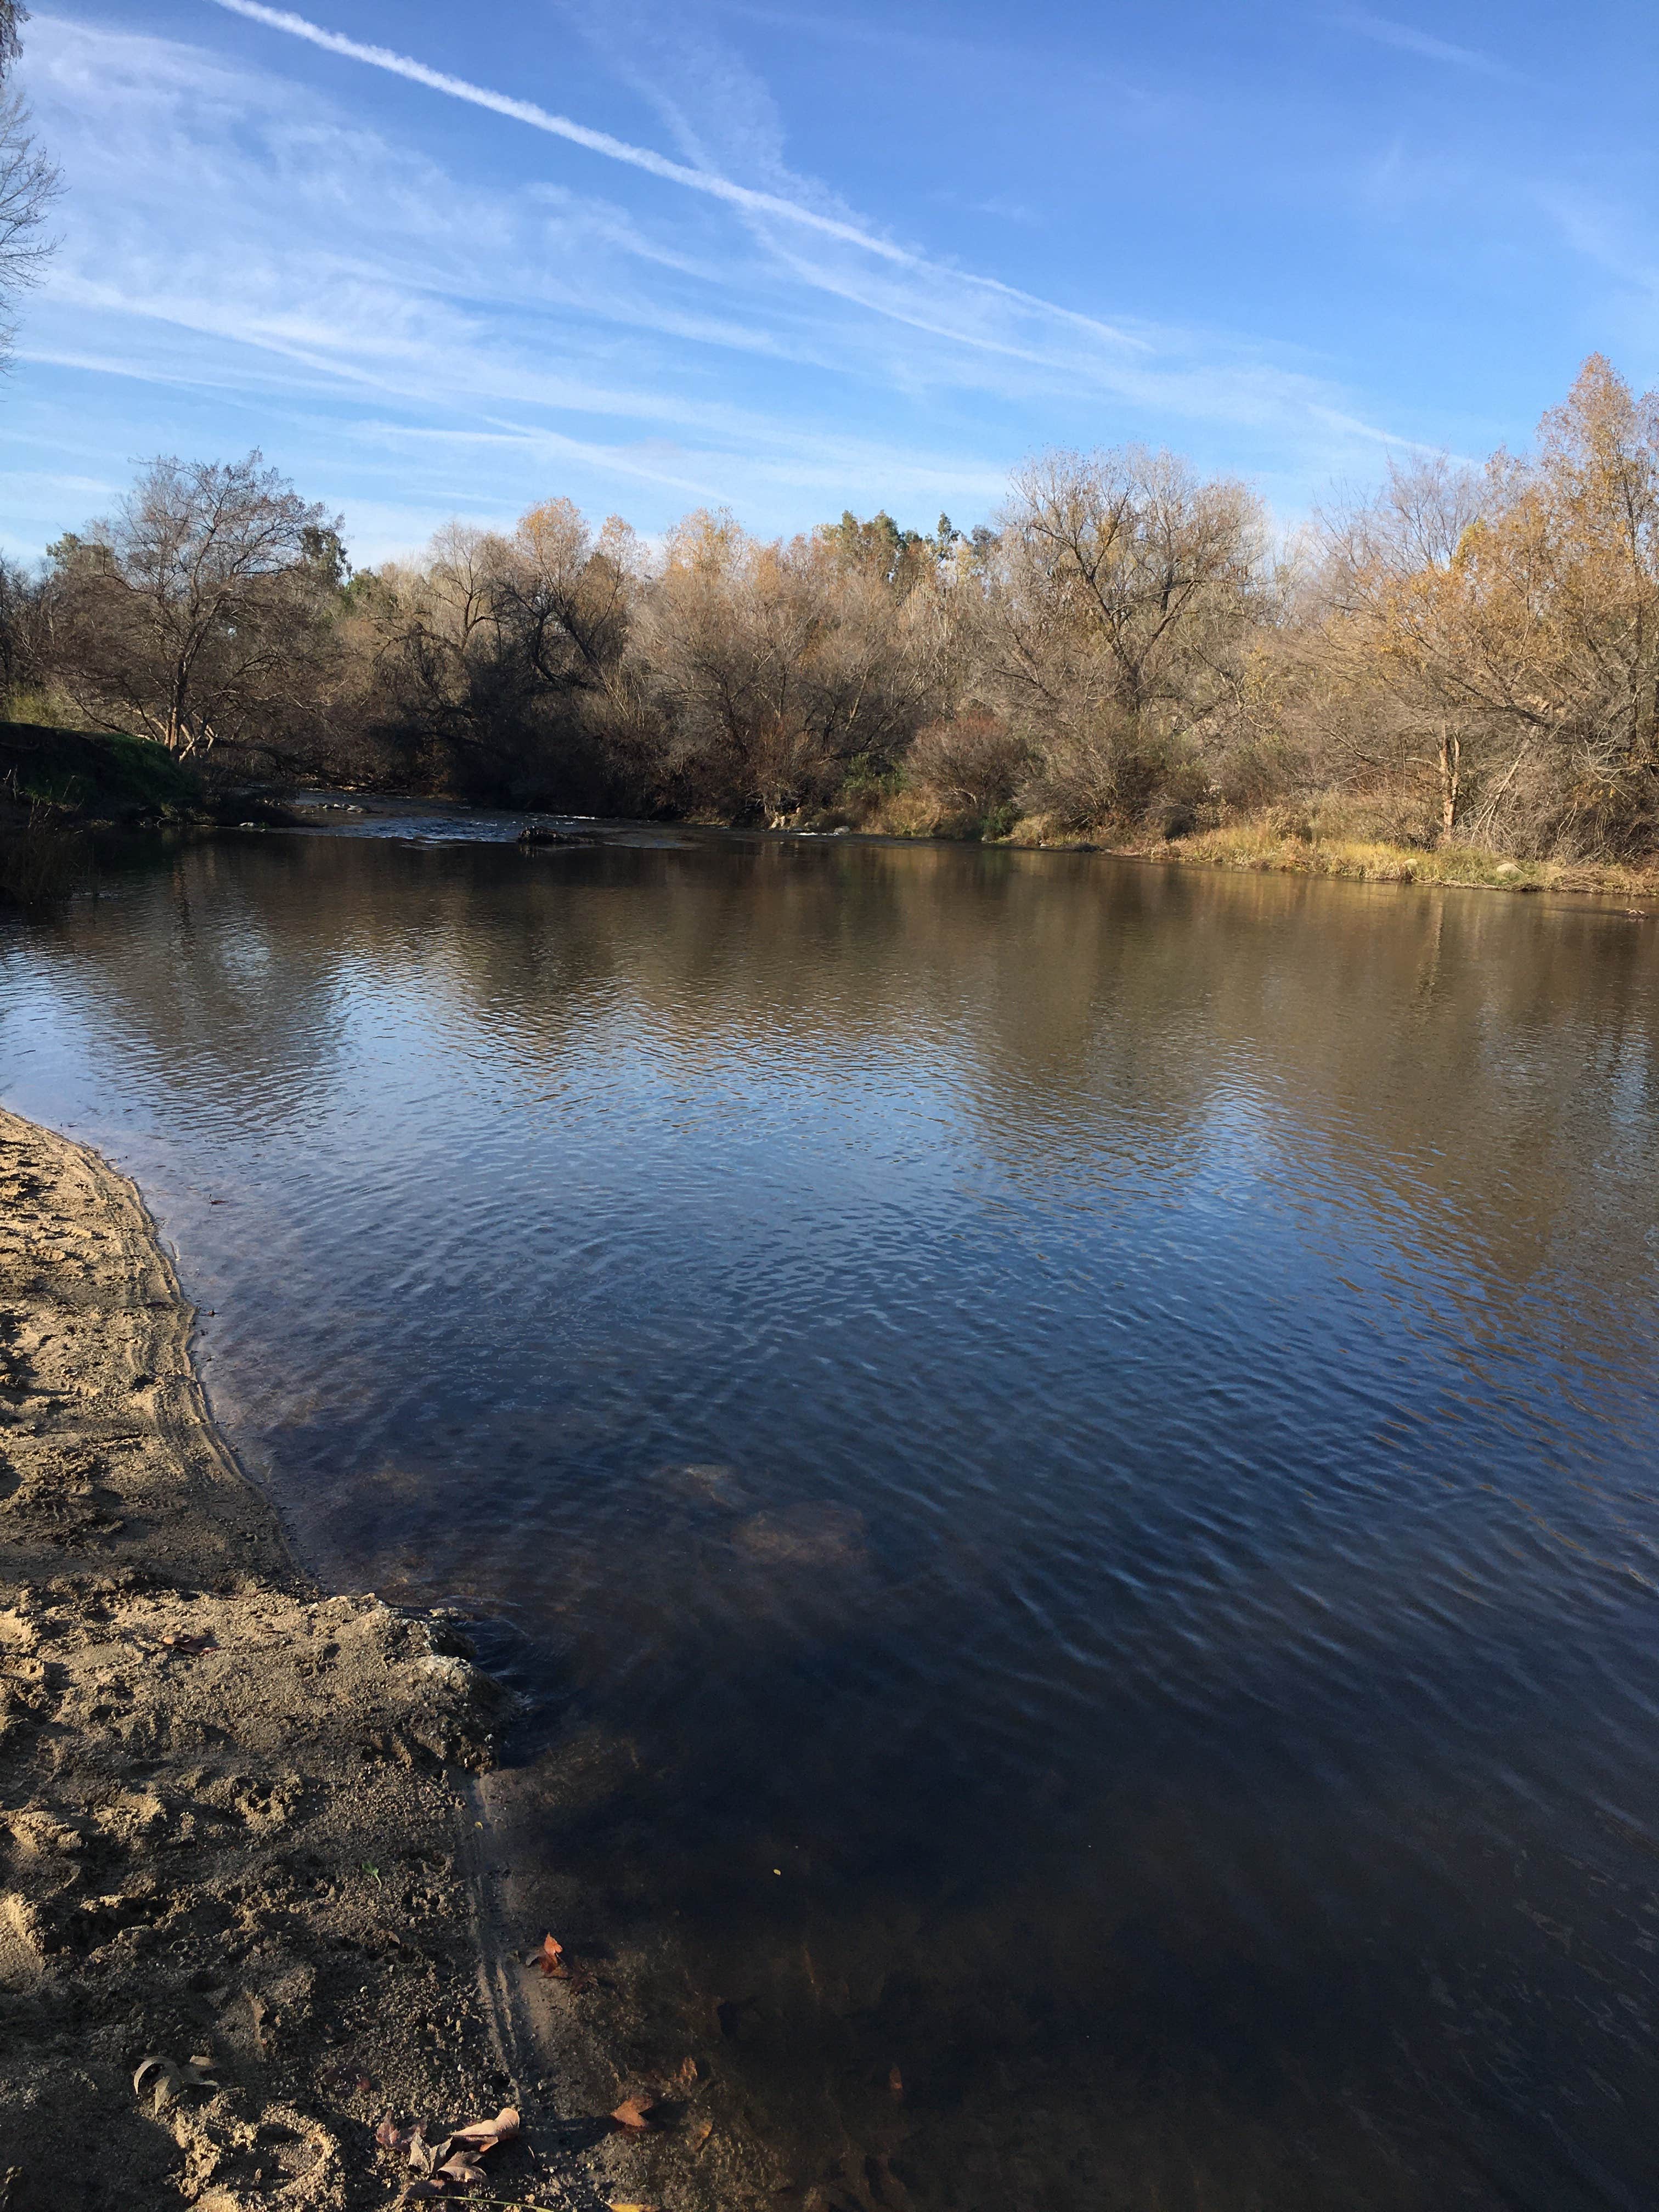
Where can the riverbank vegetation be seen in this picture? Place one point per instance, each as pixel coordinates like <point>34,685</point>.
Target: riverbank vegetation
<point>1458,671</point>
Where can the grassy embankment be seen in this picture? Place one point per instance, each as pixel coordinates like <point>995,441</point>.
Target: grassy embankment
<point>56,784</point>
<point>1275,840</point>
<point>1260,844</point>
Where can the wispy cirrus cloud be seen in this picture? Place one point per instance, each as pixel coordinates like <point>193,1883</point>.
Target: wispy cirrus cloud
<point>271,267</point>
<point>775,207</point>
<point>715,109</point>
<point>1407,39</point>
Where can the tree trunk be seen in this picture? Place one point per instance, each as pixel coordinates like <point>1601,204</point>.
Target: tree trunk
<point>176,716</point>
<point>1451,777</point>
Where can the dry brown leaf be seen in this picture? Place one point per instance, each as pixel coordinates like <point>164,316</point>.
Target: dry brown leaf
<point>550,1959</point>
<point>700,2133</point>
<point>484,2135</point>
<point>462,2167</point>
<point>167,2083</point>
<point>190,1646</point>
<point>173,2079</point>
<point>684,2075</point>
<point>631,2114</point>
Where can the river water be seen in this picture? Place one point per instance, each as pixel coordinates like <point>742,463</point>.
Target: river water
<point>1075,1445</point>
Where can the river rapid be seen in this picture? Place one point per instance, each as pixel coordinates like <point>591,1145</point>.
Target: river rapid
<point>1066,1454</point>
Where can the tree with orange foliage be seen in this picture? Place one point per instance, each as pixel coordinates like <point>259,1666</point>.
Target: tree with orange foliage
<point>1498,631</point>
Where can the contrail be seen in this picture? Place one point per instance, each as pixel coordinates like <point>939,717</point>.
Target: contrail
<point>642,157</point>
<point>560,126</point>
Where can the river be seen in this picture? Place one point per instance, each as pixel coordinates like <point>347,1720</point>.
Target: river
<point>1066,1454</point>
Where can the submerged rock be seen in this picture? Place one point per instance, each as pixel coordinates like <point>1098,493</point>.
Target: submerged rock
<point>718,1486</point>
<point>536,833</point>
<point>804,1536</point>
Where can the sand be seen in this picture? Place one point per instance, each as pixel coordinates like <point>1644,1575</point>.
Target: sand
<point>249,1824</point>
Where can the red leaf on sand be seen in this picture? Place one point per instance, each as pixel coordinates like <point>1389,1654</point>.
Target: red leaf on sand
<point>550,1959</point>
<point>631,2114</point>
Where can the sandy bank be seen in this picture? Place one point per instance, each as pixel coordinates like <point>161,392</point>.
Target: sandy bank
<point>239,1821</point>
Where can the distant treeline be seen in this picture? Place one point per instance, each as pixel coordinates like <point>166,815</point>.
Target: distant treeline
<point>1469,657</point>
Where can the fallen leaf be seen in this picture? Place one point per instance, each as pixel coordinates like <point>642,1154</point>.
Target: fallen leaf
<point>173,2079</point>
<point>168,2080</point>
<point>686,2076</point>
<point>550,1959</point>
<point>700,2133</point>
<point>631,2114</point>
<point>190,1645</point>
<point>486,2134</point>
<point>390,2136</point>
<point>895,2084</point>
<point>462,2167</point>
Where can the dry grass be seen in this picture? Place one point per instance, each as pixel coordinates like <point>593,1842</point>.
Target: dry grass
<point>1265,842</point>
<point>907,814</point>
<point>1262,844</point>
<point>1279,841</point>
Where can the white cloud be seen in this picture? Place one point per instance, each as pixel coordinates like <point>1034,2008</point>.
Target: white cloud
<point>233,236</point>
<point>1406,39</point>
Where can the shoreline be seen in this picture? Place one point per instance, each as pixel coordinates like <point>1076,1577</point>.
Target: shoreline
<point>86,780</point>
<point>246,1823</point>
<point>1460,867</point>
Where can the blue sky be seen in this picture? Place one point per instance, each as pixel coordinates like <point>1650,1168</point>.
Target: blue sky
<point>790,259</point>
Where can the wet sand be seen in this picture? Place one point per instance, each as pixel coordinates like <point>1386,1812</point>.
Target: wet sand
<point>250,1825</point>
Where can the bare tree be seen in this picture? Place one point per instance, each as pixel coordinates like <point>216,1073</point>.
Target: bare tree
<point>775,669</point>
<point>564,595</point>
<point>29,183</point>
<point>1496,633</point>
<point>1123,592</point>
<point>1386,680</point>
<point>23,618</point>
<point>198,609</point>
<point>973,764</point>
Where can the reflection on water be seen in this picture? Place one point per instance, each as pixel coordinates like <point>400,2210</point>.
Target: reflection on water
<point>1100,1420</point>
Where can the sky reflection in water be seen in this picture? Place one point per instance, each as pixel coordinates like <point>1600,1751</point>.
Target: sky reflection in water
<point>1103,1419</point>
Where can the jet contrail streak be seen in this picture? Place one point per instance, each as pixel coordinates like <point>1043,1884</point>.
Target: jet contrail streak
<point>655,165</point>
<point>560,126</point>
